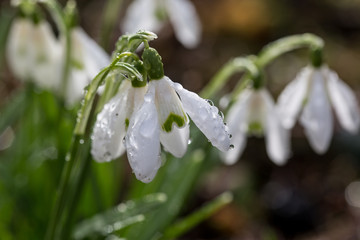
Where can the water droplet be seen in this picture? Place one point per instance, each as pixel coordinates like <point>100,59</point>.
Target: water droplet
<point>231,146</point>
<point>67,158</point>
<point>81,141</point>
<point>189,141</point>
<point>210,102</point>
<point>124,141</point>
<point>221,114</point>
<point>230,135</point>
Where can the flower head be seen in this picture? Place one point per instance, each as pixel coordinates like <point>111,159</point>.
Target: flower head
<point>33,53</point>
<point>161,118</point>
<point>254,114</point>
<point>150,15</point>
<point>311,95</point>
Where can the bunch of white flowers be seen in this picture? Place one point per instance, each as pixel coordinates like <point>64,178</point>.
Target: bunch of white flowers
<point>35,54</point>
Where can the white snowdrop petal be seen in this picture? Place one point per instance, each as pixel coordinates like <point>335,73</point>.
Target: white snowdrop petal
<point>185,21</point>
<point>236,122</point>
<point>316,117</point>
<point>176,141</point>
<point>344,102</point>
<point>109,130</point>
<point>291,99</point>
<point>77,81</point>
<point>47,57</point>
<point>141,15</point>
<point>277,137</point>
<point>205,116</point>
<point>168,104</point>
<point>143,140</point>
<point>94,58</point>
<point>19,51</point>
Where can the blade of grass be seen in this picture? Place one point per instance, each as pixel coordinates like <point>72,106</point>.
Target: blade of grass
<point>119,217</point>
<point>198,216</point>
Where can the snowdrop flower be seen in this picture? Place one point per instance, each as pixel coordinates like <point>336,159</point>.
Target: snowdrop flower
<point>33,53</point>
<point>311,95</point>
<point>149,15</point>
<point>159,116</point>
<point>254,114</point>
<point>163,118</point>
<point>87,59</point>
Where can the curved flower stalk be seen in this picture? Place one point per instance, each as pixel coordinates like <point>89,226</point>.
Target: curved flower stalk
<point>146,120</point>
<point>310,95</point>
<point>254,113</point>
<point>33,53</point>
<point>87,58</point>
<point>150,15</point>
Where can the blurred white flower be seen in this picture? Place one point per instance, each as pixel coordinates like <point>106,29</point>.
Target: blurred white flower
<point>87,58</point>
<point>150,15</point>
<point>311,95</point>
<point>254,114</point>
<point>33,53</point>
<point>162,118</point>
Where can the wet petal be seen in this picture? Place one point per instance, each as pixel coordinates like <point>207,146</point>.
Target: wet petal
<point>205,116</point>
<point>277,137</point>
<point>168,104</point>
<point>141,15</point>
<point>236,121</point>
<point>143,140</point>
<point>344,102</point>
<point>109,129</point>
<point>186,23</point>
<point>316,117</point>
<point>176,141</point>
<point>292,98</point>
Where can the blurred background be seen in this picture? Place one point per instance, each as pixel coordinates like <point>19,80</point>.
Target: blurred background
<point>305,199</point>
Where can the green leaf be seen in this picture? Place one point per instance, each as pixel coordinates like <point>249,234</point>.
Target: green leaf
<point>121,216</point>
<point>200,215</point>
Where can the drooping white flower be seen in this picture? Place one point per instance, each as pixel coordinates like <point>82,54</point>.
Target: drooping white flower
<point>162,118</point>
<point>87,59</point>
<point>311,95</point>
<point>112,122</point>
<point>254,114</point>
<point>147,14</point>
<point>33,53</point>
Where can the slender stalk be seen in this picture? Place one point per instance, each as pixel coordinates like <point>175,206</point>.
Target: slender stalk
<point>198,216</point>
<point>219,80</point>
<point>110,17</point>
<point>287,44</point>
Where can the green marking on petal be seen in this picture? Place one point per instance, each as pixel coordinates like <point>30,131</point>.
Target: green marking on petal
<point>255,128</point>
<point>127,123</point>
<point>173,118</point>
<point>77,64</point>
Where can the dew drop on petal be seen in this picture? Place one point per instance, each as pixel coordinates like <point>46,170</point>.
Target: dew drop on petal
<point>189,141</point>
<point>231,147</point>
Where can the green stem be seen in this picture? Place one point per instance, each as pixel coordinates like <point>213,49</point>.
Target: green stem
<point>287,44</point>
<point>195,218</point>
<point>60,18</point>
<point>219,80</point>
<point>110,17</point>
